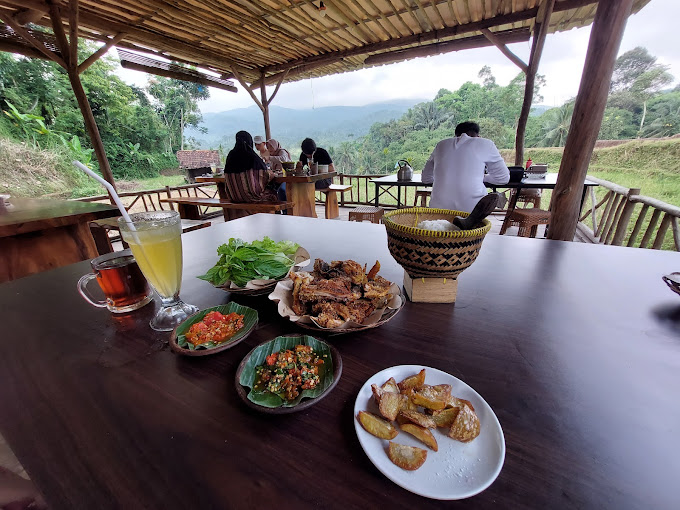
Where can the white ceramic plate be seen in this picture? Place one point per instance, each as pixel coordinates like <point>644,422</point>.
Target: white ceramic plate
<point>458,470</point>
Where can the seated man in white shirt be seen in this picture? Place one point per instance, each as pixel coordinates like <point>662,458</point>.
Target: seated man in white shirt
<point>456,169</point>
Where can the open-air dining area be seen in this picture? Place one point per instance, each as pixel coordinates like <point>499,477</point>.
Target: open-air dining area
<point>345,344</point>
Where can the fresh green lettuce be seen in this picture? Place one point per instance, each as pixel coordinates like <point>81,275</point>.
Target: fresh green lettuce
<point>241,262</point>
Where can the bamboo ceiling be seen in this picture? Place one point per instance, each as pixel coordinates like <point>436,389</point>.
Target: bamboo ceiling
<point>273,37</point>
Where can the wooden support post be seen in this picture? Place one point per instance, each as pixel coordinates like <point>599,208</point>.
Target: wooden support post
<point>70,56</point>
<point>265,110</point>
<point>540,32</point>
<point>605,40</point>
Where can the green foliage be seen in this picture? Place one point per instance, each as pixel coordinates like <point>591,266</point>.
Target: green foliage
<point>41,109</point>
<point>241,262</point>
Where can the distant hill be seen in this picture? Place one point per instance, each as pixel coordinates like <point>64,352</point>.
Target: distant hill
<point>329,125</point>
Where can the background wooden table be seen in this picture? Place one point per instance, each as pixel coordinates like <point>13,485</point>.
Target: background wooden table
<point>41,234</point>
<point>576,348</point>
<point>300,190</point>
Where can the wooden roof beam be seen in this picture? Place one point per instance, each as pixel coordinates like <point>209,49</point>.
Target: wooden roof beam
<point>25,16</point>
<point>428,36</point>
<point>478,41</point>
<point>101,51</point>
<point>504,49</point>
<point>39,46</point>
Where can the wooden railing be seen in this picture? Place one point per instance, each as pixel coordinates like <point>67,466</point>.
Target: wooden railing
<point>363,192</point>
<point>611,218</point>
<point>149,200</point>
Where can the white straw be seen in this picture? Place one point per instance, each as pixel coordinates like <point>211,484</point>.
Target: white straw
<point>111,190</point>
<point>122,209</point>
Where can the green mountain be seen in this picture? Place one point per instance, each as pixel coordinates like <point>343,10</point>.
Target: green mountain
<point>327,126</point>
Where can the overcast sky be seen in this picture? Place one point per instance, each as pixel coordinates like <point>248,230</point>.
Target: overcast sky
<point>655,27</point>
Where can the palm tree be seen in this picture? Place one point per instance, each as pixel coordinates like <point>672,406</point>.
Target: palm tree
<point>556,127</point>
<point>429,116</point>
<point>345,157</point>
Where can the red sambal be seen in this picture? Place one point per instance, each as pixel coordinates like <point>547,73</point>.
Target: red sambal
<point>215,327</point>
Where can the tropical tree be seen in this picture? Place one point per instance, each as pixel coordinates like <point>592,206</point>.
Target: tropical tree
<point>556,124</point>
<point>177,105</point>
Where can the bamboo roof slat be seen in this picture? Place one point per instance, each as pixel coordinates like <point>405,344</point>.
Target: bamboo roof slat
<point>273,36</point>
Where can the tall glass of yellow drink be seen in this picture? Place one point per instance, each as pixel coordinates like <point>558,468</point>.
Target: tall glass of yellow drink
<point>155,241</point>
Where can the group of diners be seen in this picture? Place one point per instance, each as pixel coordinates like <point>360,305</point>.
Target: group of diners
<point>250,174</point>
<point>457,168</point>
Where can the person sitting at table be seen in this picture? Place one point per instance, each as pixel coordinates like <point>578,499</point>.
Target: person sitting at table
<point>274,155</point>
<point>246,176</point>
<point>260,145</point>
<point>310,152</point>
<point>456,169</point>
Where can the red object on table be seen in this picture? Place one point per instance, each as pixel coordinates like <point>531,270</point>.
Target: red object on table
<point>529,163</point>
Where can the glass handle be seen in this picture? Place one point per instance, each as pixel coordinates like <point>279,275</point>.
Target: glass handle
<point>82,290</point>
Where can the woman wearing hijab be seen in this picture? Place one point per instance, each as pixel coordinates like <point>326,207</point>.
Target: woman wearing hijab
<point>245,173</point>
<point>275,155</point>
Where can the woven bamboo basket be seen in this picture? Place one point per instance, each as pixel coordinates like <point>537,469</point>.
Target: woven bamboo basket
<point>428,253</point>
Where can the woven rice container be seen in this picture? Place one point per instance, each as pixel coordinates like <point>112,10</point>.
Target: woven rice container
<point>429,253</point>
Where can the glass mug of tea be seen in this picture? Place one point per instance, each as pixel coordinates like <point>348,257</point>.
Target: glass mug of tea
<point>121,281</point>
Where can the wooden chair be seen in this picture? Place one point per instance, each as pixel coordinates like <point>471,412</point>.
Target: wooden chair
<point>528,221</point>
<point>423,195</point>
<point>331,192</point>
<point>372,214</point>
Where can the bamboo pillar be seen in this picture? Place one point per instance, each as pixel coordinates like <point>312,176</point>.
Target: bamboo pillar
<point>69,52</point>
<point>540,32</point>
<point>265,110</point>
<point>605,39</point>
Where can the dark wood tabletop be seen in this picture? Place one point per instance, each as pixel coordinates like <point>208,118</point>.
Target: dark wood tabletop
<point>33,214</point>
<point>304,178</point>
<point>575,347</point>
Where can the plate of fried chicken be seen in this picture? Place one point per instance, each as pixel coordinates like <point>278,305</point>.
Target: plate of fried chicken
<point>338,297</point>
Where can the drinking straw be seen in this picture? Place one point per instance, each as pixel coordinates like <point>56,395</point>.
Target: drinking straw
<point>121,208</point>
<point>111,190</point>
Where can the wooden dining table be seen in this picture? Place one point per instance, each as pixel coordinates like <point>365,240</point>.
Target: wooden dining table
<point>37,234</point>
<point>575,347</point>
<point>299,190</point>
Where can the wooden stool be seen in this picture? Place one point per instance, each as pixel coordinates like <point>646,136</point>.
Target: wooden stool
<point>528,196</point>
<point>331,193</point>
<point>372,214</point>
<point>528,221</point>
<point>422,194</point>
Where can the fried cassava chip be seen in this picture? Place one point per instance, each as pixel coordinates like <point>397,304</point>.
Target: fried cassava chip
<point>432,397</point>
<point>377,426</point>
<point>445,417</point>
<point>391,386</point>
<point>415,381</point>
<point>466,426</point>
<point>406,457</point>
<point>418,418</point>
<point>422,434</point>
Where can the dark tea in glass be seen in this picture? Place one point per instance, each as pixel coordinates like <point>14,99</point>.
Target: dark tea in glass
<point>122,282</point>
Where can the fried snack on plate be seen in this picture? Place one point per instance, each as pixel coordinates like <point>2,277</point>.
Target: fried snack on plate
<point>408,403</point>
<point>466,426</point>
<point>432,397</point>
<point>391,386</point>
<point>458,402</point>
<point>377,426</point>
<point>389,403</point>
<point>406,457</point>
<point>422,434</point>
<point>418,418</point>
<point>415,381</point>
<point>445,417</point>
